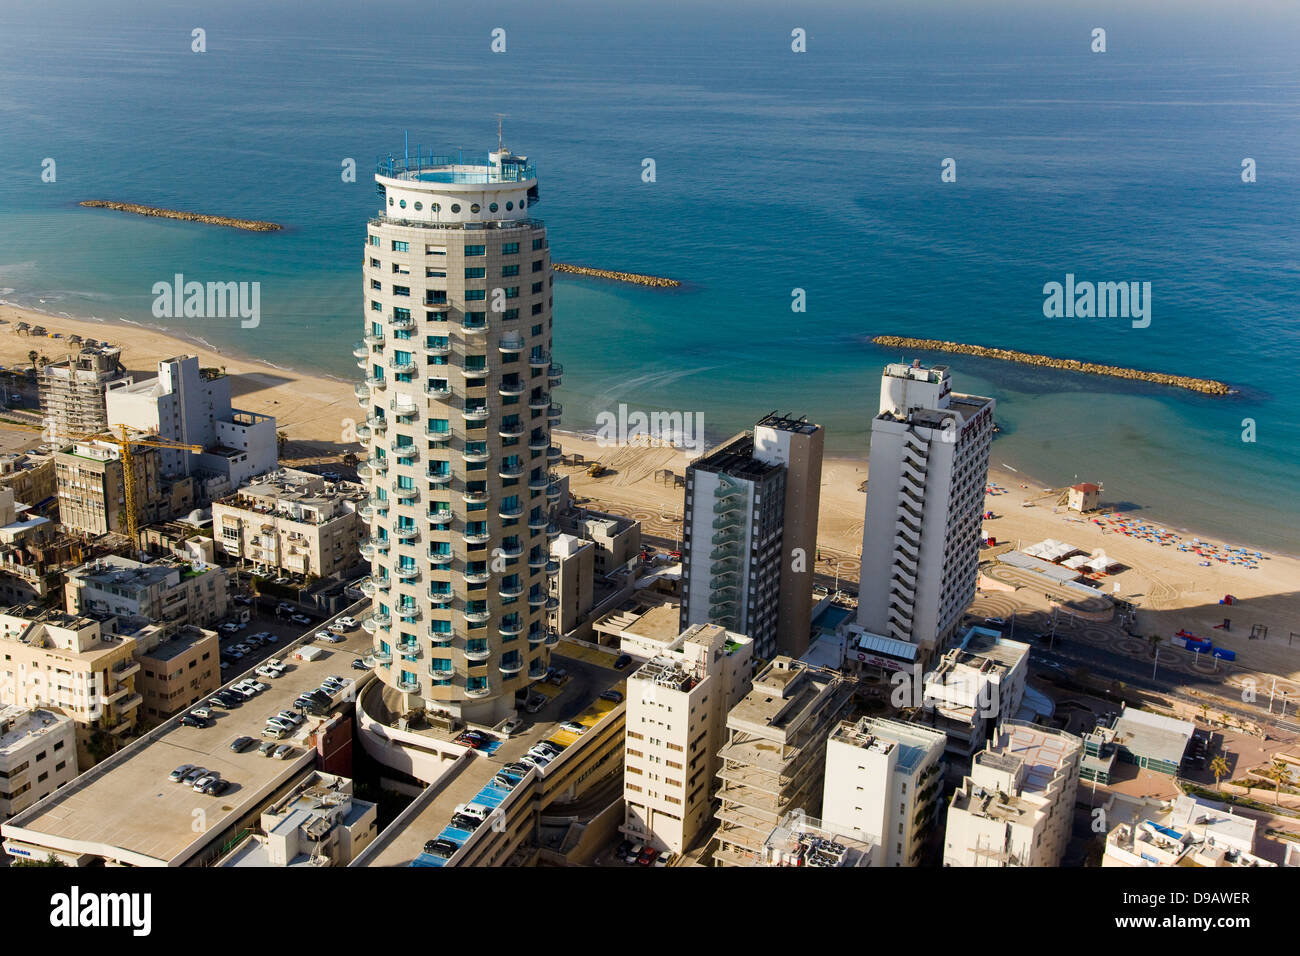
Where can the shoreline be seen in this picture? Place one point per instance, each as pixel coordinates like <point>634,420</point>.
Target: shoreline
<point>313,427</point>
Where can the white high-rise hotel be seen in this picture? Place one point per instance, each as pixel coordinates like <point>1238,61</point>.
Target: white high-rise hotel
<point>925,493</point>
<point>457,356</point>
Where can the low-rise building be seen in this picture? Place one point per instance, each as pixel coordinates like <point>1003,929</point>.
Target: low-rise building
<point>1147,740</point>
<point>31,477</point>
<point>677,706</point>
<point>292,521</point>
<point>38,754</point>
<point>773,760</point>
<point>974,685</point>
<point>70,664</point>
<point>166,591</point>
<point>180,666</point>
<point>1016,807</point>
<point>883,783</point>
<point>318,823</point>
<point>801,840</point>
<point>1084,497</point>
<point>572,584</point>
<point>1190,832</point>
<point>92,493</point>
<point>617,540</point>
<point>72,391</point>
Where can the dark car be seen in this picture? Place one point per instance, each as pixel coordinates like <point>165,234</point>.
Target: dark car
<point>622,661</point>
<point>463,822</point>
<point>441,848</point>
<point>240,744</point>
<point>359,665</point>
<point>475,739</point>
<point>216,787</point>
<point>623,849</point>
<point>613,696</point>
<point>189,720</point>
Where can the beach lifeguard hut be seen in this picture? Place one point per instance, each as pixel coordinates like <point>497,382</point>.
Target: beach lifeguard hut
<point>1084,497</point>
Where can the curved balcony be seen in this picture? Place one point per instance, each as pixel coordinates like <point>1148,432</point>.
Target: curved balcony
<point>552,638</point>
<point>367,511</point>
<point>537,672</point>
<point>373,338</point>
<point>473,327</point>
<point>555,374</point>
<point>510,590</point>
<point>508,629</point>
<point>404,406</point>
<point>552,566</point>
<point>402,323</point>
<point>367,550</point>
<point>553,531</point>
<point>378,423</point>
<point>511,344</point>
<point>407,573</point>
<point>441,598</point>
<point>439,519</point>
<point>478,653</point>
<point>438,391</point>
<point>440,559</point>
<point>554,412</point>
<point>554,453</point>
<point>439,479</point>
<point>511,511</point>
<point>476,497</point>
<point>377,383</point>
<point>553,492</point>
<point>406,496</point>
<point>538,522</point>
<point>540,359</point>
<point>477,537</point>
<point>437,349</point>
<point>401,368</point>
<point>538,561</point>
<point>474,373</point>
<point>536,599</point>
<point>509,668</point>
<point>517,430</point>
<point>552,604</point>
<point>363,433</point>
<point>361,350</point>
<point>476,692</point>
<point>511,388</point>
<point>539,483</point>
<point>409,686</point>
<point>378,465</point>
<point>540,402</point>
<point>362,392</point>
<point>378,657</point>
<point>477,577</point>
<point>476,454</point>
<point>539,443</point>
<point>476,414</point>
<point>511,550</point>
<point>478,617</point>
<point>536,639</point>
<point>409,651</point>
<point>511,471</point>
<point>376,622</point>
<point>440,674</point>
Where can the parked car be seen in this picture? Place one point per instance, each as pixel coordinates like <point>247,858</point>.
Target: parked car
<point>647,856</point>
<point>573,727</point>
<point>441,848</point>
<point>290,716</point>
<point>463,822</point>
<point>243,600</point>
<point>203,781</point>
<point>511,726</point>
<point>189,720</point>
<point>662,859</point>
<point>203,713</point>
<point>328,638</point>
<point>240,744</point>
<point>623,848</point>
<point>634,852</point>
<point>536,761</point>
<point>622,661</point>
<point>323,636</point>
<point>359,665</point>
<point>995,621</point>
<point>612,696</point>
<point>179,774</point>
<point>549,748</point>
<point>270,670</point>
<point>283,752</point>
<point>216,787</point>
<point>347,622</point>
<point>286,725</point>
<point>193,774</point>
<point>302,619</point>
<point>536,703</point>
<point>267,748</point>
<point>274,731</point>
<point>286,607</point>
<point>518,766</point>
<point>338,627</point>
<point>504,781</point>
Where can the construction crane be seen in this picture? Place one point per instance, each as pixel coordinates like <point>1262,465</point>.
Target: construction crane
<point>124,443</point>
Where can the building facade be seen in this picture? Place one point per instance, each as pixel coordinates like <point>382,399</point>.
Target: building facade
<point>925,497</point>
<point>677,705</point>
<point>292,521</point>
<point>92,493</point>
<point>883,783</point>
<point>72,392</point>
<point>38,754</point>
<point>457,397</point>
<point>180,666</point>
<point>165,591</point>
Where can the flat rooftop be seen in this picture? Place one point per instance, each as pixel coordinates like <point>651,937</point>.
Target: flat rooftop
<point>181,640</point>
<point>21,724</point>
<point>1043,752</point>
<point>131,808</point>
<point>1153,735</point>
<point>735,459</point>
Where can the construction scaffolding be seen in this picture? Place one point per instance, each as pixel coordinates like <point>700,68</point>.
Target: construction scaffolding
<point>72,392</point>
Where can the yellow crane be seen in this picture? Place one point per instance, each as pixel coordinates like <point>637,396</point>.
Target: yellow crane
<point>124,443</point>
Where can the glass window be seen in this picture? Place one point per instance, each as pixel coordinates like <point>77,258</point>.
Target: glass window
<point>476,250</point>
<point>510,248</point>
<point>455,207</point>
<point>399,246</point>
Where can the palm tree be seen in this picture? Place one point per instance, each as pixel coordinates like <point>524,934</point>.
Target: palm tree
<point>1279,773</point>
<point>1219,767</point>
<point>31,357</point>
<point>1155,640</point>
<point>281,439</point>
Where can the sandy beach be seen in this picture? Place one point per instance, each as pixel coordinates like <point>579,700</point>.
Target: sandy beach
<point>1171,586</point>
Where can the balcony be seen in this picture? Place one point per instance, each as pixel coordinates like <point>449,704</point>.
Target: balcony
<point>406,496</point>
<point>367,511</point>
<point>552,638</point>
<point>441,598</point>
<point>511,511</point>
<point>537,671</point>
<point>361,350</point>
<point>377,465</point>
<point>439,479</point>
<point>511,388</point>
<point>552,566</point>
<point>511,344</point>
<point>553,492</point>
<point>407,572</point>
<point>552,604</point>
<point>554,453</point>
<point>538,522</point>
<point>556,374</point>
<point>368,587</point>
<point>509,668</point>
<point>377,383</point>
<point>538,561</point>
<point>441,392</point>
<point>477,537</point>
<point>363,433</point>
<point>402,323</point>
<point>476,497</point>
<point>477,692</point>
<point>444,349</point>
<point>378,423</point>
<point>514,430</point>
<point>511,550</point>
<point>540,482</point>
<point>474,372</point>
<point>511,628</point>
<point>553,531</point>
<point>539,359</point>
<point>554,412</point>
<point>362,392</point>
<point>511,591</point>
<point>440,558</point>
<point>410,652</point>
<point>401,368</point>
<point>373,338</point>
<point>476,455</point>
<point>540,402</point>
<point>477,652</point>
<point>443,673</point>
<point>477,414</point>
<point>409,686</point>
<point>536,599</point>
<point>378,657</point>
<point>539,443</point>
<point>536,638</point>
<point>474,327</point>
<point>440,519</point>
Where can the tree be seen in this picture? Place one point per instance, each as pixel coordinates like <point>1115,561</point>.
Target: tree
<point>281,439</point>
<point>1219,767</point>
<point>1280,774</point>
<point>350,460</point>
<point>31,357</point>
<point>1155,640</point>
<point>50,860</point>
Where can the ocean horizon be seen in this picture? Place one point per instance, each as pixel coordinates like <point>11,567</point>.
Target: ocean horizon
<point>774,172</point>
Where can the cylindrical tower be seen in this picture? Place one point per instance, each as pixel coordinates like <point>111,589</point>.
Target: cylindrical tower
<point>457,358</point>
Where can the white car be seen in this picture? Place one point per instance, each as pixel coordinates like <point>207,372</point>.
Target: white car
<point>535,760</point>
<point>290,716</point>
<point>324,636</point>
<point>285,725</point>
<point>347,622</point>
<point>270,670</point>
<point>331,638</point>
<point>203,781</point>
<point>338,627</point>
<point>573,727</point>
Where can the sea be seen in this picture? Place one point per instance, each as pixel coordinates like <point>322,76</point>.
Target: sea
<point>785,161</point>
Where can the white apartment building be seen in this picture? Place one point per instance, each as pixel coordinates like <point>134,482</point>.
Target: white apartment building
<point>677,705</point>
<point>187,404</point>
<point>69,664</point>
<point>973,687</point>
<point>320,822</point>
<point>750,534</point>
<point>800,840</point>
<point>1190,832</point>
<point>1016,807</point>
<point>164,591</point>
<point>38,754</point>
<point>925,494</point>
<point>883,782</point>
<point>292,521</point>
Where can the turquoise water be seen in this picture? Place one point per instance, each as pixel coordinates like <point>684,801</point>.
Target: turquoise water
<point>775,171</point>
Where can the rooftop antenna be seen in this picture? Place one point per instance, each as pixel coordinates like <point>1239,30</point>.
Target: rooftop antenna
<point>406,149</point>
<point>500,140</point>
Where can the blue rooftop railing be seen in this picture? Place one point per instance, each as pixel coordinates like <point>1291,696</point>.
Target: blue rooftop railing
<point>454,168</point>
